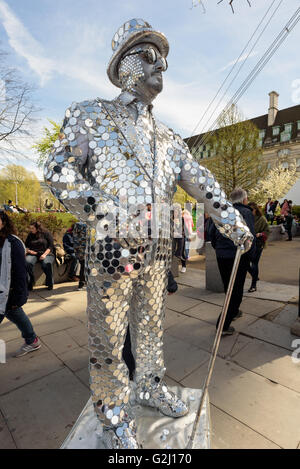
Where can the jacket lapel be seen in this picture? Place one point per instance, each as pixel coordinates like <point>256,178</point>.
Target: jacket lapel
<point>126,126</point>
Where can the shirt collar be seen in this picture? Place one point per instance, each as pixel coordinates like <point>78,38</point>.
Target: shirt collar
<point>128,98</point>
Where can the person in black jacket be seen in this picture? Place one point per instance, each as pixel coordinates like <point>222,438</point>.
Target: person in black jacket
<point>13,284</point>
<point>68,243</point>
<point>40,248</point>
<point>226,251</point>
<point>288,224</point>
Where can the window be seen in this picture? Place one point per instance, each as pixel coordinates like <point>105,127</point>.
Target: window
<point>262,134</point>
<point>276,130</point>
<point>285,136</point>
<point>298,125</point>
<point>287,127</point>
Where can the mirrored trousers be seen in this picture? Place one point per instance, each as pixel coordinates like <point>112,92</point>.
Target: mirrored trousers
<point>139,301</point>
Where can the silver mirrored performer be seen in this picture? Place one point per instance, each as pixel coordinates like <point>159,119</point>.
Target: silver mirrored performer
<point>109,152</point>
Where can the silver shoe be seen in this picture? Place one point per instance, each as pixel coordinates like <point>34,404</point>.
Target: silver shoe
<point>121,437</point>
<point>160,397</point>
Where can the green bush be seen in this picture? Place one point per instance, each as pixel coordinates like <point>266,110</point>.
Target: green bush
<point>296,210</point>
<point>54,222</point>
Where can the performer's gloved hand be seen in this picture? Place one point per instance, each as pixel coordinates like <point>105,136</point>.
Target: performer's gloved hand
<point>246,241</point>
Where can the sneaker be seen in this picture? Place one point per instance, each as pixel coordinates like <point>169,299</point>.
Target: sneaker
<point>183,269</point>
<point>251,289</point>
<point>81,287</point>
<point>228,331</point>
<point>28,348</point>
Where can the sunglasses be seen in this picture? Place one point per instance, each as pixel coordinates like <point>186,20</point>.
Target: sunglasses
<point>150,55</point>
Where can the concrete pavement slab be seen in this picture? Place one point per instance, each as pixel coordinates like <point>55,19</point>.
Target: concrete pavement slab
<point>75,359</point>
<point>205,311</point>
<point>192,278</point>
<point>181,358</point>
<point>241,324</point>
<point>202,334</point>
<point>275,363</point>
<point>84,376</point>
<point>49,407</point>
<point>35,305</point>
<point>58,289</point>
<point>172,318</point>
<point>287,316</point>
<point>6,439</point>
<point>204,295</point>
<point>171,382</point>
<point>17,372</point>
<point>192,292</point>
<point>229,433</point>
<point>209,313</point>
<point>180,303</point>
<point>75,303</point>
<point>271,291</point>
<point>258,307</point>
<point>267,408</point>
<point>50,326</point>
<point>8,331</point>
<point>59,342</point>
<point>239,344</point>
<point>79,334</point>
<point>273,333</point>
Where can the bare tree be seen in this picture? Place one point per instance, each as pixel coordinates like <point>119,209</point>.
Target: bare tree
<point>16,110</point>
<point>230,2</point>
<point>233,152</point>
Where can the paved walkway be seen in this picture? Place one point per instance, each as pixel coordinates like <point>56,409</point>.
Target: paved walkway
<point>255,389</point>
<point>279,262</point>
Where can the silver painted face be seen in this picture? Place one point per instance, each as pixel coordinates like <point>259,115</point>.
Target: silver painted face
<point>130,72</point>
<point>141,70</point>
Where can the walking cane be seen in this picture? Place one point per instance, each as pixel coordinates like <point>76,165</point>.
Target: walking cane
<point>239,252</point>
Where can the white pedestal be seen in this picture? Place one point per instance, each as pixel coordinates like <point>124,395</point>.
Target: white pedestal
<point>155,431</point>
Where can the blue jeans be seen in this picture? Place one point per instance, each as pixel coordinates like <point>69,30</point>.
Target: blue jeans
<point>22,321</point>
<point>73,265</point>
<point>46,266</point>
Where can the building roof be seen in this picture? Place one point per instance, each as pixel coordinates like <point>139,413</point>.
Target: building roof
<point>290,115</point>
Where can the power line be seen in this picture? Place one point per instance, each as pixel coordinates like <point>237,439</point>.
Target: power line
<point>257,69</point>
<point>240,68</point>
<point>259,66</point>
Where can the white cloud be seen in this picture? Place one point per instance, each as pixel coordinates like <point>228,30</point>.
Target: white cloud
<point>24,44</point>
<point>73,67</point>
<point>182,105</point>
<point>241,59</point>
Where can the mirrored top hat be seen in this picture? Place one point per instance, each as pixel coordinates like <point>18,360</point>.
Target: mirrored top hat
<point>131,33</point>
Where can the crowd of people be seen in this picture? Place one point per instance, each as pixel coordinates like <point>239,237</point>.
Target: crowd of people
<point>39,248</point>
<point>281,214</point>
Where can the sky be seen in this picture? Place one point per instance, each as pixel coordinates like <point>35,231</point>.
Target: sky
<point>63,48</point>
